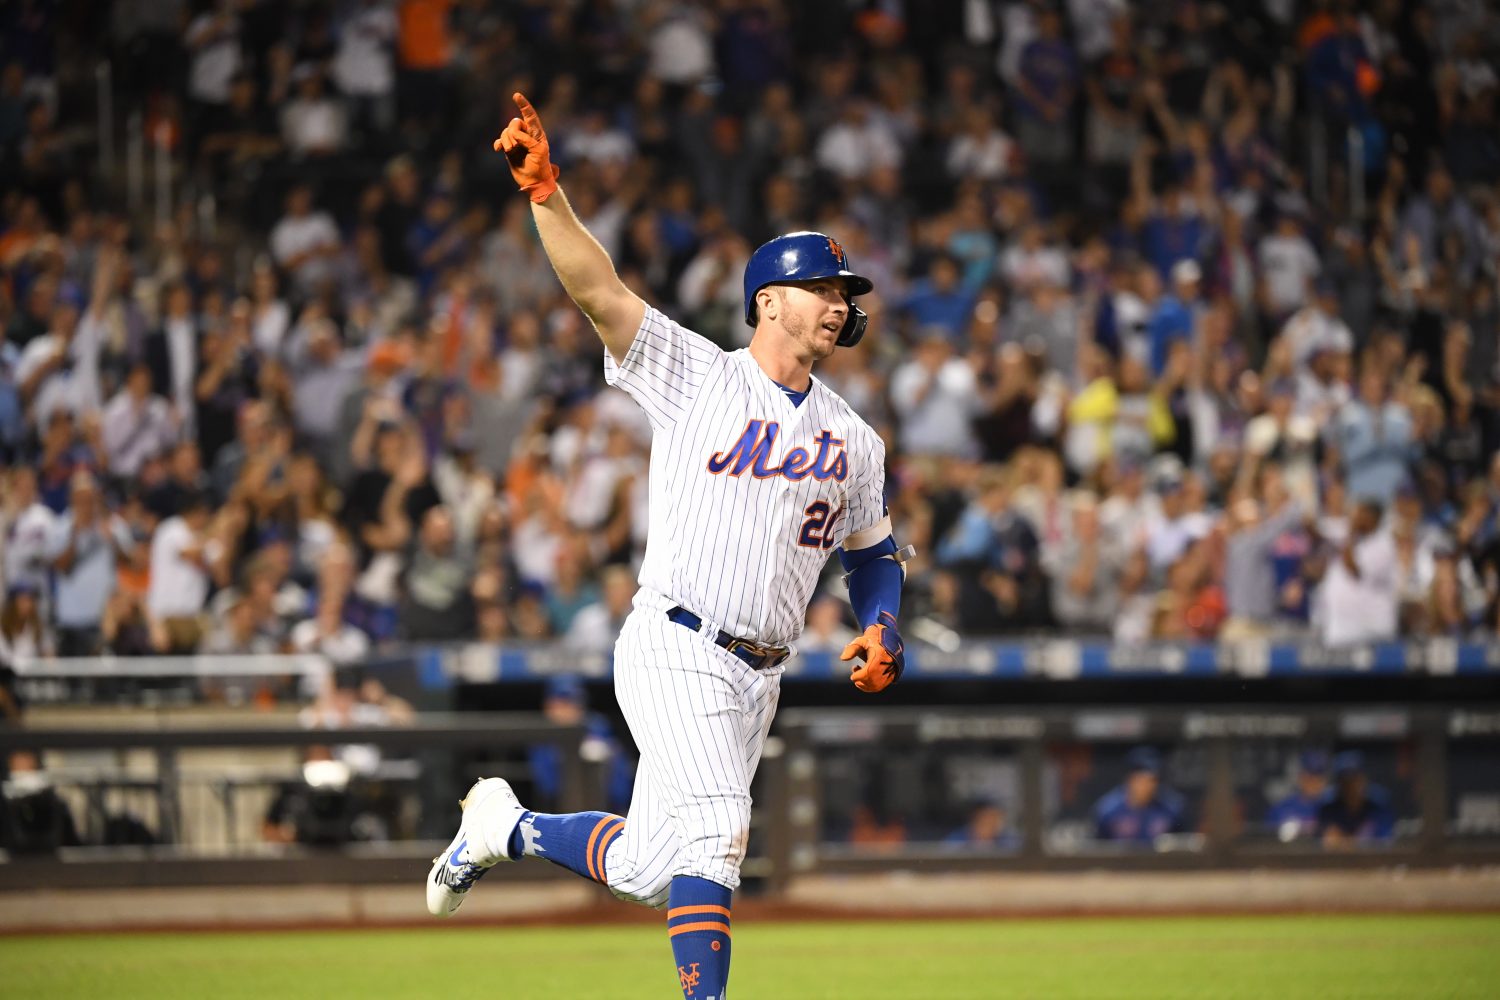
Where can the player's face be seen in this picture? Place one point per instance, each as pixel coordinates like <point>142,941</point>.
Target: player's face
<point>813,315</point>
<point>1140,787</point>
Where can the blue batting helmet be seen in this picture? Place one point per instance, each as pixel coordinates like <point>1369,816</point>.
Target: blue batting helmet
<point>803,257</point>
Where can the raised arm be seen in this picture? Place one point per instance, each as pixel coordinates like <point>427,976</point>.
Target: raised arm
<point>584,269</point>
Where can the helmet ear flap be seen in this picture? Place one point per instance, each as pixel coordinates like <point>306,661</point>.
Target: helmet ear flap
<point>854,327</point>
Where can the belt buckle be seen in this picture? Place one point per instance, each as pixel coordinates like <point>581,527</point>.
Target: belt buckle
<point>735,645</point>
<point>773,654</point>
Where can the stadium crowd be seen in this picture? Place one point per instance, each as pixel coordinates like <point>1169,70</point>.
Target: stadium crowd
<point>1153,355</point>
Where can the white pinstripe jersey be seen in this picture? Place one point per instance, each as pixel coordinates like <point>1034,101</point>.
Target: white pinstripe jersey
<point>749,494</point>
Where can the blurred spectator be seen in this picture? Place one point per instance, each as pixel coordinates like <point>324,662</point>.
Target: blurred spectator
<point>1140,809</point>
<point>314,123</point>
<point>1085,569</point>
<point>826,630</point>
<point>329,631</point>
<point>1357,812</point>
<point>1287,263</point>
<point>364,64</point>
<point>1357,601</point>
<point>933,393</point>
<point>987,829</point>
<point>565,703</point>
<point>179,577</point>
<point>1296,817</point>
<point>172,354</point>
<point>87,541</point>
<point>137,425</point>
<point>348,701</point>
<point>436,602</point>
<point>1373,434</point>
<point>596,625</point>
<point>29,527</point>
<point>34,818</point>
<point>304,241</point>
<point>939,304</point>
<point>24,633</point>
<point>1172,320</point>
<point>1046,83</point>
<point>324,372</point>
<point>1250,586</point>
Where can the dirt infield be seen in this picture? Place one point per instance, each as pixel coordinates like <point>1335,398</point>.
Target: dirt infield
<point>841,898</point>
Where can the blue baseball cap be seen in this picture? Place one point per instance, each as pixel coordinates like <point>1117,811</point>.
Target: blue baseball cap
<point>566,687</point>
<point>1348,762</point>
<point>1313,762</point>
<point>1143,759</point>
<point>23,586</point>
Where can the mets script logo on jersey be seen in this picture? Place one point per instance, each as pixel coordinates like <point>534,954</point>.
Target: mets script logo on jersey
<point>753,450</point>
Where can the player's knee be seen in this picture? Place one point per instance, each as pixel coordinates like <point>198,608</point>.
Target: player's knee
<point>649,890</point>
<point>637,883</point>
<point>723,847</point>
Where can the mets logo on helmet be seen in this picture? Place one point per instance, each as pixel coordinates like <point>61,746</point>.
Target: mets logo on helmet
<point>836,248</point>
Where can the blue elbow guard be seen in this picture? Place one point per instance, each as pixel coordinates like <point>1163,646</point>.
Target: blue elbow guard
<point>874,579</point>
<point>853,560</point>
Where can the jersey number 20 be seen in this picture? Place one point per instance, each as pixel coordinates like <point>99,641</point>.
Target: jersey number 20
<point>817,530</point>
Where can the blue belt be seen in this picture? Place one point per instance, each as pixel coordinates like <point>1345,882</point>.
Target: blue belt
<point>759,657</point>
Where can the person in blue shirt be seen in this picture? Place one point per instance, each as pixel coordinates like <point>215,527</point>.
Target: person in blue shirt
<point>940,300</point>
<point>1172,319</point>
<point>1357,811</point>
<point>1296,816</point>
<point>987,829</point>
<point>566,704</point>
<point>1140,809</point>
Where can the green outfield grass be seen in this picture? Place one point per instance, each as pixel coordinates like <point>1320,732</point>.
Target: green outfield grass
<point>1156,958</point>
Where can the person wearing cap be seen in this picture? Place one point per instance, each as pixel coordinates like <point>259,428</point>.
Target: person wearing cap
<point>1140,808</point>
<point>1173,317</point>
<point>565,703</point>
<point>1295,817</point>
<point>1357,811</point>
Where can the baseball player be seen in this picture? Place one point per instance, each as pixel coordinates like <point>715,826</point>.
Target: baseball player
<point>758,471</point>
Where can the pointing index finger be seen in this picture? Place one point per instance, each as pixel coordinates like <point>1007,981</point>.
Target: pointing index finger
<point>528,115</point>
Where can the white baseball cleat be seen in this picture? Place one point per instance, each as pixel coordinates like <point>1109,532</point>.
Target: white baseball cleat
<point>491,811</point>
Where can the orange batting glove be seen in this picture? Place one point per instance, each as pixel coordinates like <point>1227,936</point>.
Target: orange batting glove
<point>884,653</point>
<point>526,150</point>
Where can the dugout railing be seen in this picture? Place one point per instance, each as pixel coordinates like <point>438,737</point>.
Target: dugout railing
<point>805,771</point>
<point>429,764</point>
<point>1435,827</point>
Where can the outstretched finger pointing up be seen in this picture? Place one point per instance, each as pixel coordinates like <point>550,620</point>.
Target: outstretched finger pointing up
<point>528,115</point>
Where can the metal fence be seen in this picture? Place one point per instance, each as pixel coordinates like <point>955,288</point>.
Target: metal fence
<point>200,793</point>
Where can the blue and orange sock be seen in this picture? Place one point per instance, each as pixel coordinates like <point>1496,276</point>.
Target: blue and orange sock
<point>576,841</point>
<point>698,925</point>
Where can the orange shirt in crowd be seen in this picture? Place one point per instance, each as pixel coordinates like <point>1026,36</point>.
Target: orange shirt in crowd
<point>423,40</point>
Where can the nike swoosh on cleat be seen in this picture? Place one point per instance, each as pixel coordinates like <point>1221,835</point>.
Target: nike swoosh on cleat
<point>453,858</point>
